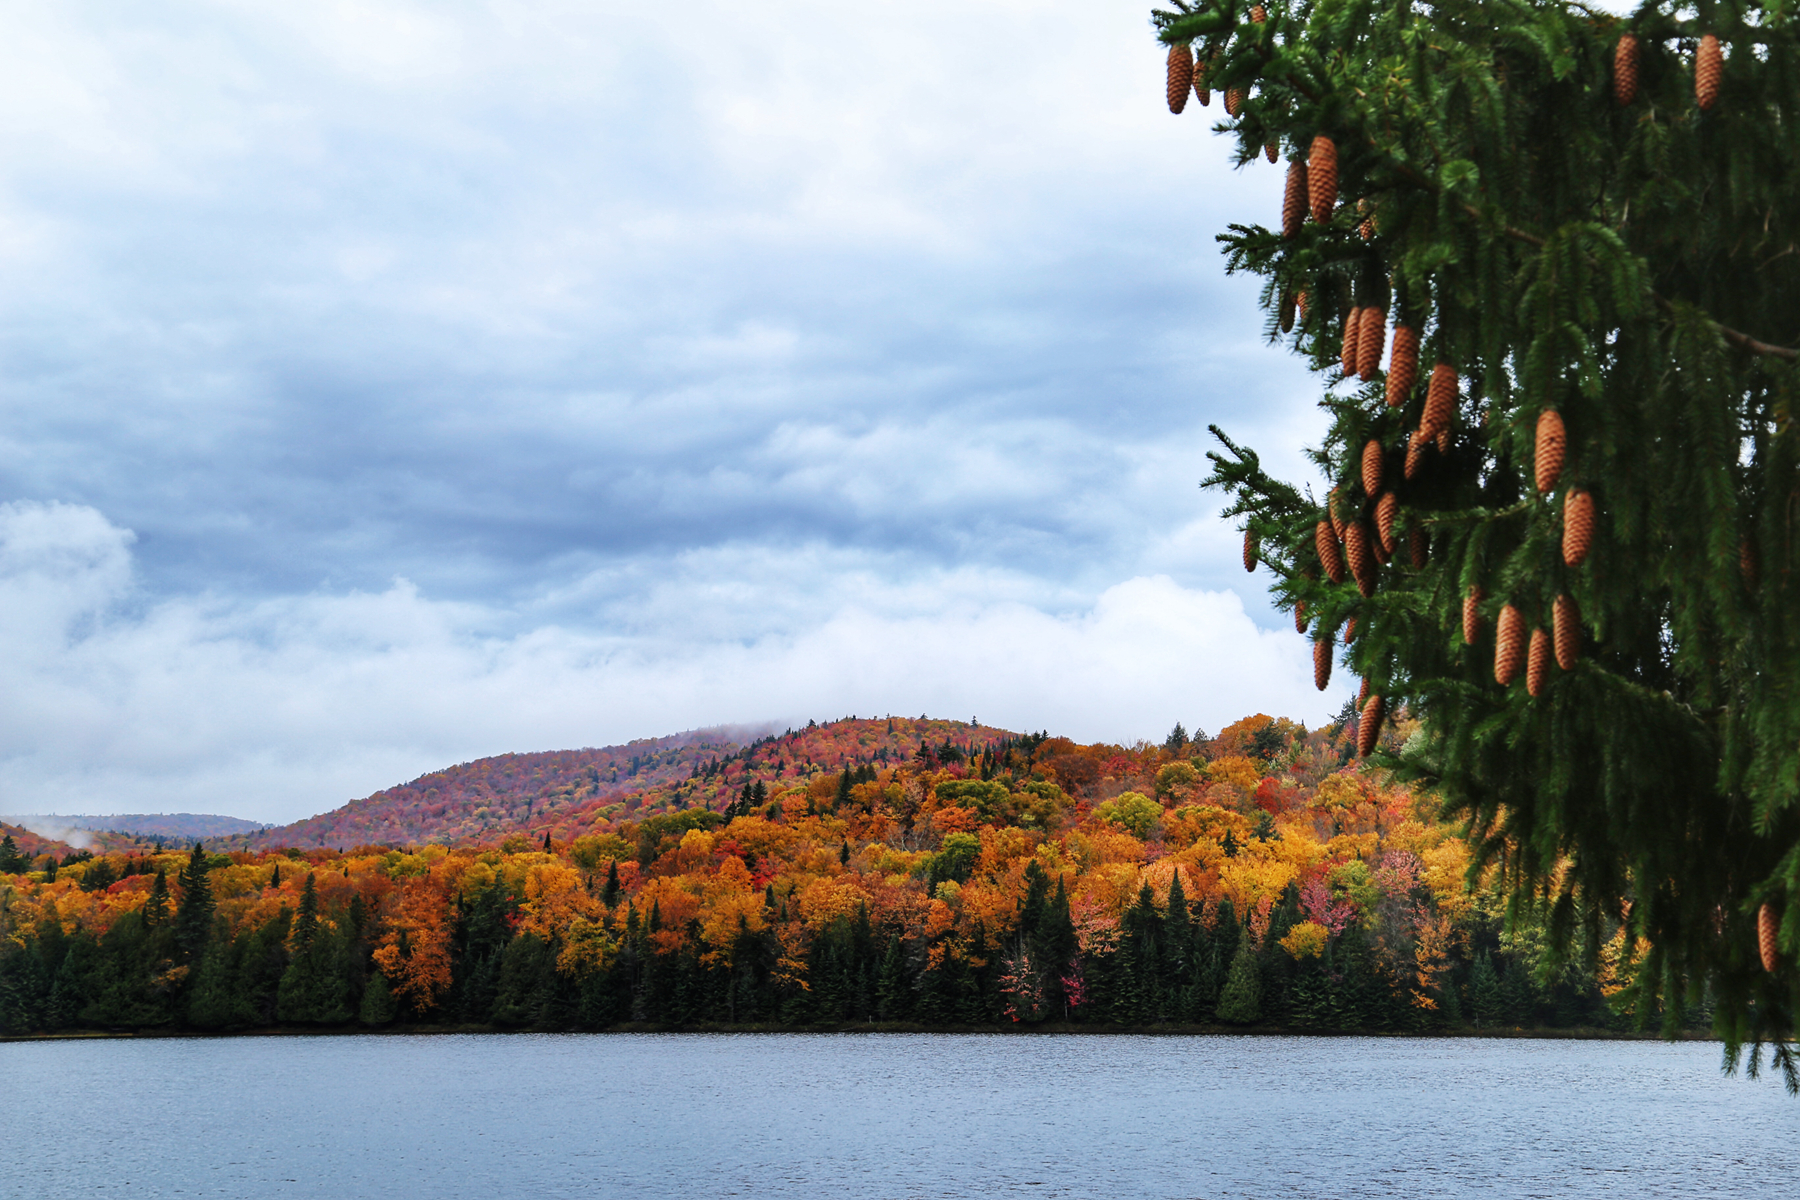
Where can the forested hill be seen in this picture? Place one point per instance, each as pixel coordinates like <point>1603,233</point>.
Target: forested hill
<point>564,792</point>
<point>169,827</point>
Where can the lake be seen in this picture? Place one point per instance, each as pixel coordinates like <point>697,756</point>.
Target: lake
<point>885,1115</point>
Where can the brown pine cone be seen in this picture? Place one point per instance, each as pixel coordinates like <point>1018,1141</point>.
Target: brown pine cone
<point>1322,663</point>
<point>1299,616</point>
<point>1418,544</point>
<point>1749,563</point>
<point>1321,178</point>
<point>1440,400</point>
<point>1386,509</point>
<point>1293,200</point>
<point>1272,151</point>
<point>1257,14</point>
<point>1709,66</point>
<point>1472,615</point>
<point>1537,667</point>
<point>1234,101</point>
<point>1365,226</point>
<point>1368,728</point>
<point>1201,67</point>
<point>1334,514</point>
<point>1362,694</point>
<point>1181,77</point>
<point>1509,646</point>
<point>1249,551</point>
<point>1552,447</point>
<point>1329,557</point>
<point>1362,562</point>
<point>1349,631</point>
<point>1369,342</point>
<point>1443,440</point>
<point>1302,298</point>
<point>1403,365</point>
<point>1566,622</point>
<point>1415,454</point>
<point>1578,527</point>
<point>1371,468</point>
<point>1287,311</point>
<point>1352,330</point>
<point>1768,933</point>
<point>1625,70</point>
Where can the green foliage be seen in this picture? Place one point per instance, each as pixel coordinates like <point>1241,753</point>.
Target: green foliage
<point>1133,812</point>
<point>1240,1001</point>
<point>1633,269</point>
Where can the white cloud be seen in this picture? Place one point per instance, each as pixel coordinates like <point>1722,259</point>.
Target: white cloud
<point>278,709</point>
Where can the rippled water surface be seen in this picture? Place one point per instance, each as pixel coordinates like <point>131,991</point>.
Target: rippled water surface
<point>877,1115</point>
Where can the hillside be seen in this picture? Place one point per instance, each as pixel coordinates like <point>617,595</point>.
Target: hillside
<point>564,792</point>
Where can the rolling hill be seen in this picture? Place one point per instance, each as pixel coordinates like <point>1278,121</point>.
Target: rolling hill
<point>563,792</point>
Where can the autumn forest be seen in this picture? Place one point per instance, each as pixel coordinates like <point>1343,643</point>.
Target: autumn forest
<point>889,873</point>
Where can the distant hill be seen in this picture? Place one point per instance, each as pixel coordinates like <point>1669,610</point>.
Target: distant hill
<point>563,792</point>
<point>167,826</point>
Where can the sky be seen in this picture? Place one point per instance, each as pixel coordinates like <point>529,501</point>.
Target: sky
<point>385,385</point>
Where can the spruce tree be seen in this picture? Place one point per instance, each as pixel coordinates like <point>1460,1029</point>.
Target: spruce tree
<point>1563,517</point>
<point>193,919</point>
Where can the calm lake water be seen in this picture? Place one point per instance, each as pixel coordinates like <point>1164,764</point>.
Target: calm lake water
<point>874,1115</point>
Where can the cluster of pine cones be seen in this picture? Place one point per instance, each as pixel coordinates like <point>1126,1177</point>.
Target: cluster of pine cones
<point>1709,69</point>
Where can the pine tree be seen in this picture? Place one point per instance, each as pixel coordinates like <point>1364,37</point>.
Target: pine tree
<point>1615,257</point>
<point>193,919</point>
<point>1240,1000</point>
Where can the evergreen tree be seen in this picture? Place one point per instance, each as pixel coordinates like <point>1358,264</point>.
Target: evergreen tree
<point>156,908</point>
<point>1240,1001</point>
<point>11,861</point>
<point>193,919</point>
<point>313,989</point>
<point>609,895</point>
<point>1585,434</point>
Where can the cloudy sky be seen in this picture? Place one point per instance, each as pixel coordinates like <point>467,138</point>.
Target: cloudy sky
<point>389,384</point>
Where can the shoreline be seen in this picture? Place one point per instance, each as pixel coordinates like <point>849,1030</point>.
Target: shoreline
<point>1046,1029</point>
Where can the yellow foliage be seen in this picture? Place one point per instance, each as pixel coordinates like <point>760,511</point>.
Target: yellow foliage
<point>1305,940</point>
<point>825,900</point>
<point>1237,771</point>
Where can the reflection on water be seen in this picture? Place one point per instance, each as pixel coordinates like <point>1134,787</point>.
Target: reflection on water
<point>854,1115</point>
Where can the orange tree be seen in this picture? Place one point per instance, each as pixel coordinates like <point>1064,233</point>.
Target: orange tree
<point>1545,258</point>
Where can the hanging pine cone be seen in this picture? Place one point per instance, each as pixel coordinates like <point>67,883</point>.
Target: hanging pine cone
<point>1368,727</point>
<point>1440,400</point>
<point>1322,178</point>
<point>1625,70</point>
<point>1578,527</point>
<point>1272,151</point>
<point>1234,101</point>
<point>1293,200</point>
<point>1257,14</point>
<point>1322,663</point>
<point>1509,646</point>
<point>1366,225</point>
<point>1403,365</point>
<point>1443,440</point>
<point>1335,514</point>
<point>1415,453</point>
<point>1299,616</point>
<point>1362,562</point>
<point>1349,631</point>
<point>1537,667</point>
<point>1287,311</point>
<point>1418,544</point>
<point>1329,557</point>
<point>1471,615</point>
<point>1249,551</point>
<point>1369,342</point>
<point>1386,509</point>
<point>1709,66</point>
<point>1749,563</point>
<point>1181,76</point>
<point>1371,468</point>
<point>1201,69</point>
<point>1768,931</point>
<point>1302,298</point>
<point>1566,622</point>
<point>1352,331</point>
<point>1552,446</point>
<point>1362,694</point>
